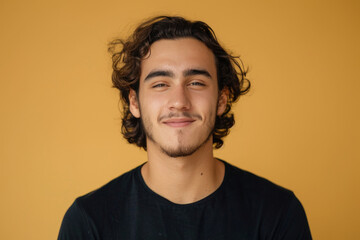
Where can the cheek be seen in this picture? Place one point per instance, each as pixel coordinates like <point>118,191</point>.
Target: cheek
<point>207,107</point>
<point>150,106</point>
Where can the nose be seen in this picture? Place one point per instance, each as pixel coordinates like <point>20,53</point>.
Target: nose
<point>179,98</point>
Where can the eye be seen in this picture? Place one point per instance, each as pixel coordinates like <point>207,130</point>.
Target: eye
<point>159,85</point>
<point>196,84</point>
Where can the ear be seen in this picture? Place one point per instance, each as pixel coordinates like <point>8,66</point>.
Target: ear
<point>134,104</point>
<point>222,101</point>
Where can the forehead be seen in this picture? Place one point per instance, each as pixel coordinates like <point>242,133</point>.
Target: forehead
<point>178,55</point>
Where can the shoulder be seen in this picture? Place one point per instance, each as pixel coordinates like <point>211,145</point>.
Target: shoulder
<point>114,191</point>
<point>254,186</point>
<point>89,213</point>
<point>277,209</point>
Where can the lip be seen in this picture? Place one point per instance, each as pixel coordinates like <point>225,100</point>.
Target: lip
<point>178,122</point>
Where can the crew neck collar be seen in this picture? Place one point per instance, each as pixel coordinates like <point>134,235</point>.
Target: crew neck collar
<point>164,200</point>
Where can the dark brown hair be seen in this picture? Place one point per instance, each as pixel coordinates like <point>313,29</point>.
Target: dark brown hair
<point>127,56</point>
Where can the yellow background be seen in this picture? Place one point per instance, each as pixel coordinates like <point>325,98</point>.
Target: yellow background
<point>60,122</point>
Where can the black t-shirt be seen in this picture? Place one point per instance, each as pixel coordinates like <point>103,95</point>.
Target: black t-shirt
<point>245,206</point>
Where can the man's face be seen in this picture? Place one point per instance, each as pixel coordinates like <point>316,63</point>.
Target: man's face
<point>178,96</point>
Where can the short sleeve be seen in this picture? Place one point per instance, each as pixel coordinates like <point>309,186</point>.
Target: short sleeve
<point>294,225</point>
<point>76,225</point>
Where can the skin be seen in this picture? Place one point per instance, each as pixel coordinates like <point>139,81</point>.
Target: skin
<point>177,102</point>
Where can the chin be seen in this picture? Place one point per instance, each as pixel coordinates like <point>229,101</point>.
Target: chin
<point>183,151</point>
<point>180,152</point>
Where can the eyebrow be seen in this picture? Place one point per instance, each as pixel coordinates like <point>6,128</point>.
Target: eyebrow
<point>192,72</point>
<point>186,73</point>
<point>159,73</point>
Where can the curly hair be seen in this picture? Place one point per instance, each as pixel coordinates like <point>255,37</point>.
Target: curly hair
<point>126,62</point>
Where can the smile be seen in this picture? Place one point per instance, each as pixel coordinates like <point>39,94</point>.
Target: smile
<point>178,122</point>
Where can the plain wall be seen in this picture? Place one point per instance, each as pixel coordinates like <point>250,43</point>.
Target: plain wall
<point>60,121</point>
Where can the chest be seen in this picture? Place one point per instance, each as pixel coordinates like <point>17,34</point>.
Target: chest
<point>217,219</point>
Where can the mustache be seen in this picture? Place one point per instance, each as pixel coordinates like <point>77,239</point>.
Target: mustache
<point>179,115</point>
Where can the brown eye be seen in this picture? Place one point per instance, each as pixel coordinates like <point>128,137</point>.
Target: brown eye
<point>197,84</point>
<point>159,85</point>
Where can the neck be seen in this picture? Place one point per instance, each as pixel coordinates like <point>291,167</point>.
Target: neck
<point>183,180</point>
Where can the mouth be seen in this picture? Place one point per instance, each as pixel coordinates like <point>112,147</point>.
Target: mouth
<point>178,122</point>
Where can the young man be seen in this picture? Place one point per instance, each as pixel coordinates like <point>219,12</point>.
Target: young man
<point>177,85</point>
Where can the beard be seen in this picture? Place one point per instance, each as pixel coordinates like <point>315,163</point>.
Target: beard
<point>182,149</point>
